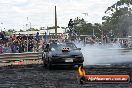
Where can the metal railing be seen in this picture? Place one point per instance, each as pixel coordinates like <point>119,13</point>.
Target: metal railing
<point>20,56</point>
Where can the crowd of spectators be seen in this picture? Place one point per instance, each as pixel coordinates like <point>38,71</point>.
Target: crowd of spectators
<point>18,44</point>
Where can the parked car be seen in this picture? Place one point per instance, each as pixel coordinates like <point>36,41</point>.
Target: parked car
<point>62,54</point>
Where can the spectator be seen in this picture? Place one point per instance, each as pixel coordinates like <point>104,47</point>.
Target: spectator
<point>30,37</point>
<point>13,37</point>
<point>7,49</point>
<point>23,47</point>
<point>1,49</point>
<point>18,44</point>
<point>37,37</point>
<point>19,47</point>
<point>13,47</point>
<point>30,46</point>
<point>19,37</point>
<point>1,36</point>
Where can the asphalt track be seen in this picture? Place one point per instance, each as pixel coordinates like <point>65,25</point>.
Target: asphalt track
<point>36,76</point>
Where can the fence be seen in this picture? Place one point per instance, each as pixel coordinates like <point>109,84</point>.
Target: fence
<point>20,56</point>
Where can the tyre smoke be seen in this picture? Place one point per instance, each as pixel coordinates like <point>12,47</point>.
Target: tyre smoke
<point>104,54</point>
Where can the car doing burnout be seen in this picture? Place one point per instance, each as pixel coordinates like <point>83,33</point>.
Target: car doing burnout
<point>62,54</point>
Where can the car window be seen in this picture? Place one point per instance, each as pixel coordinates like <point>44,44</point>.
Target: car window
<point>55,46</point>
<point>71,45</point>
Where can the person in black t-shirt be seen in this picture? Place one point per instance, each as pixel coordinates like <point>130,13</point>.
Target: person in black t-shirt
<point>70,24</point>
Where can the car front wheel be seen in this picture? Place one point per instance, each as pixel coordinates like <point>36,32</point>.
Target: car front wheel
<point>44,64</point>
<point>49,65</point>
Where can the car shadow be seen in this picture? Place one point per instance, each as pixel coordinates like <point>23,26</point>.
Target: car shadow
<point>62,68</point>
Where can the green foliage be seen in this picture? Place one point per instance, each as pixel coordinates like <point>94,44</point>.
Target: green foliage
<point>53,27</point>
<point>118,12</point>
<point>21,30</point>
<point>84,28</point>
<point>32,29</point>
<point>9,32</point>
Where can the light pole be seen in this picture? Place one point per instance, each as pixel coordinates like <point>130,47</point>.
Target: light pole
<point>47,35</point>
<point>28,23</point>
<point>27,35</point>
<point>101,35</point>
<point>65,32</point>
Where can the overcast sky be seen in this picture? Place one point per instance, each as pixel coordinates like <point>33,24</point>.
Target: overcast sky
<point>14,13</point>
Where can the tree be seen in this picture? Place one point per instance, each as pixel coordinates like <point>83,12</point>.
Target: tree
<point>117,17</point>
<point>79,25</point>
<point>42,28</point>
<point>84,28</point>
<point>32,29</point>
<point>97,29</point>
<point>21,30</point>
<point>53,27</point>
<point>11,30</point>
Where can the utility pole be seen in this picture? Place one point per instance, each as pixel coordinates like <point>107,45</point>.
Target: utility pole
<point>93,31</point>
<point>55,23</point>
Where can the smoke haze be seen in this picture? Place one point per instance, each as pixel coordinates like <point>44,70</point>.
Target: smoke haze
<point>104,54</point>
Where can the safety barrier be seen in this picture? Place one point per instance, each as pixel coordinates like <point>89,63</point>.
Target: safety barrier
<point>20,56</point>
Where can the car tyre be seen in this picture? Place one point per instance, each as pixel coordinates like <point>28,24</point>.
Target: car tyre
<point>49,65</point>
<point>44,64</point>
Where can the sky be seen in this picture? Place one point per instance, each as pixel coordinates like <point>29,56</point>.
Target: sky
<point>40,13</point>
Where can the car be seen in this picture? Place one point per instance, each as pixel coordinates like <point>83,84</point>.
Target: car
<point>62,54</point>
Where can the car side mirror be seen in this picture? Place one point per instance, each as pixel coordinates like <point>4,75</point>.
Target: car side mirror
<point>78,48</point>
